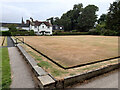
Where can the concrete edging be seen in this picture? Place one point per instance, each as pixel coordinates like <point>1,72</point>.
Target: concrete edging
<point>88,75</point>
<point>45,80</point>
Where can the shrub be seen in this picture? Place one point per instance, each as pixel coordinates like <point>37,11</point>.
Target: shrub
<point>74,30</point>
<point>94,32</point>
<point>108,32</point>
<point>5,33</point>
<point>23,33</point>
<point>71,33</point>
<point>31,33</point>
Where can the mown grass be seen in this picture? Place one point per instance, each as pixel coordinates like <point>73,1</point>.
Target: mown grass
<point>6,72</point>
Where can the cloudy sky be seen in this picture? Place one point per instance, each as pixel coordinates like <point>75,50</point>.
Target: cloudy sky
<point>14,10</point>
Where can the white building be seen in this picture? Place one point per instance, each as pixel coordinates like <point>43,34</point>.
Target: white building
<point>40,27</point>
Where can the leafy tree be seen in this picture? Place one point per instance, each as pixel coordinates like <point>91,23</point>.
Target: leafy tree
<point>69,19</point>
<point>78,18</point>
<point>102,19</point>
<point>113,17</point>
<point>12,27</point>
<point>87,18</point>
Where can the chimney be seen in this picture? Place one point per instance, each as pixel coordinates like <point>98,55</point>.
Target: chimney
<point>49,21</point>
<point>27,21</point>
<point>31,19</point>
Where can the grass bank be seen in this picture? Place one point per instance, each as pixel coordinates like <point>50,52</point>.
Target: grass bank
<point>6,72</point>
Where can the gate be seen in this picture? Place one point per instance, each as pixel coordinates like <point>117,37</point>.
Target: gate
<point>19,40</point>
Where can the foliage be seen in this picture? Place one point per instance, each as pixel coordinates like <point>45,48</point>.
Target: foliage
<point>31,33</point>
<point>108,32</point>
<point>78,18</point>
<point>6,72</point>
<point>74,30</point>
<point>87,18</point>
<point>113,17</point>
<point>23,33</point>
<point>102,19</point>
<point>71,33</point>
<point>12,27</point>
<point>5,33</point>
<point>94,32</point>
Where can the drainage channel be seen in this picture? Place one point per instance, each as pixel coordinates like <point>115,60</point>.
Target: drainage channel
<point>10,42</point>
<point>65,68</point>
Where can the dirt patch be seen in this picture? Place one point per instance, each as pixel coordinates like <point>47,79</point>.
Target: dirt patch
<point>75,50</point>
<point>60,73</point>
<point>1,40</point>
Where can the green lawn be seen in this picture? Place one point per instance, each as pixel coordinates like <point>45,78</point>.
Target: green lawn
<point>6,72</point>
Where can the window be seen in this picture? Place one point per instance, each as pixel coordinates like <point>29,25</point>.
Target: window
<point>35,26</point>
<point>42,26</point>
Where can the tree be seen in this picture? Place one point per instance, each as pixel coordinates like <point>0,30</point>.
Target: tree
<point>113,17</point>
<point>78,18</point>
<point>69,19</point>
<point>102,19</point>
<point>12,27</point>
<point>87,18</point>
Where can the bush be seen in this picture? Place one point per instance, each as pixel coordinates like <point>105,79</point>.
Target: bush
<point>23,33</point>
<point>108,32</point>
<point>74,30</point>
<point>71,33</point>
<point>94,32</point>
<point>5,33</point>
<point>31,33</point>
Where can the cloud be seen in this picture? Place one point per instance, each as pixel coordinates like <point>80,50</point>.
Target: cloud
<point>13,13</point>
<point>13,10</point>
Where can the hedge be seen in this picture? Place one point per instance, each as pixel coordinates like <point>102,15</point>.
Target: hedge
<point>71,33</point>
<point>5,33</point>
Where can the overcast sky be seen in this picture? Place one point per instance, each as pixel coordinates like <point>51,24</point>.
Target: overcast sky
<point>14,10</point>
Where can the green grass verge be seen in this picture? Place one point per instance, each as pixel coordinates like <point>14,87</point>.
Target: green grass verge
<point>6,72</point>
<point>47,65</point>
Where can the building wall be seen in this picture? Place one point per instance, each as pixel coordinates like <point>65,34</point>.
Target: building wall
<point>42,27</point>
<point>26,28</point>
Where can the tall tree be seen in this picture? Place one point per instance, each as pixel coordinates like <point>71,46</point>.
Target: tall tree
<point>87,18</point>
<point>78,18</point>
<point>69,19</point>
<point>12,27</point>
<point>113,17</point>
<point>102,19</point>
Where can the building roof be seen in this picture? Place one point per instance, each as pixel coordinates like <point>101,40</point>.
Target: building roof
<point>38,23</point>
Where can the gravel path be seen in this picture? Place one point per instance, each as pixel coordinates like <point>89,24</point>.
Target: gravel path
<point>21,76</point>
